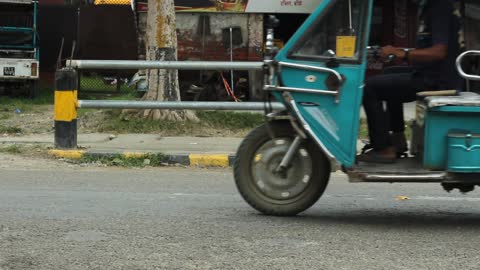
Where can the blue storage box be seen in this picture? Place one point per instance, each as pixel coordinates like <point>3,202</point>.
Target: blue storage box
<point>463,152</point>
<point>440,121</point>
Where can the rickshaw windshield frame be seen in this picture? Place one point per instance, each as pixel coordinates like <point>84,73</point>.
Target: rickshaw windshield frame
<point>292,52</point>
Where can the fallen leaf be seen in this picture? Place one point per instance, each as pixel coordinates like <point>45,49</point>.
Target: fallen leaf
<point>402,198</point>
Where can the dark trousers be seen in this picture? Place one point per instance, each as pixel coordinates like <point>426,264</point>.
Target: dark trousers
<point>394,89</point>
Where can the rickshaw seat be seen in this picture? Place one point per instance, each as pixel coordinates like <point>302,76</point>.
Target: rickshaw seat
<point>464,99</point>
<point>442,93</point>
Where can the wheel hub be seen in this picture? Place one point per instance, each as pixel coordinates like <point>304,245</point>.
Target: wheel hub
<point>276,184</point>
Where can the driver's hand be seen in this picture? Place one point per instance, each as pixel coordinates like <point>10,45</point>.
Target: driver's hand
<point>386,51</point>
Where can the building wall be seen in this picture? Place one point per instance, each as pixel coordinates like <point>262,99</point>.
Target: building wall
<point>51,33</point>
<point>200,36</point>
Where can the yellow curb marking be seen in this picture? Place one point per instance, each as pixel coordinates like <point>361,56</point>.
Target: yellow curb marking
<point>209,160</point>
<point>134,155</point>
<point>72,154</point>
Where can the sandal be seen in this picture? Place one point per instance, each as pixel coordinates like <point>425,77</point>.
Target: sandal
<point>402,149</point>
<point>374,156</point>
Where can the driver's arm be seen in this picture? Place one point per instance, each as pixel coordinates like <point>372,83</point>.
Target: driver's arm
<point>441,31</point>
<point>435,53</point>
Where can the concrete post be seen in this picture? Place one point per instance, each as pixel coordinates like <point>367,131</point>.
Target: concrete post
<point>65,108</point>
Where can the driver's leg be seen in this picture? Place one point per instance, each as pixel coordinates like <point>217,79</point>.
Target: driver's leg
<point>397,126</point>
<point>389,87</point>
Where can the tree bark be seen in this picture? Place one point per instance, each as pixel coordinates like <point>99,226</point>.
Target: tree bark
<point>161,46</point>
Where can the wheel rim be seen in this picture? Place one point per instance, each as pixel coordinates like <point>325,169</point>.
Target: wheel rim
<point>274,186</point>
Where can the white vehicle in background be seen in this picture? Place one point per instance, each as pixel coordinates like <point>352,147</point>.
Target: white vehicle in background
<point>19,48</point>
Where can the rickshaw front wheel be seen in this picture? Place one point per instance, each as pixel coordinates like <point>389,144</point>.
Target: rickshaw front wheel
<point>271,192</point>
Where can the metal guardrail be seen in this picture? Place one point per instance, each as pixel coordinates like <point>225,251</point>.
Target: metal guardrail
<point>67,104</point>
<point>180,65</point>
<point>169,105</point>
<point>17,1</point>
<point>178,105</point>
<point>116,65</point>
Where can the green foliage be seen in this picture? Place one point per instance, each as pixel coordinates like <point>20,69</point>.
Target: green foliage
<point>12,149</point>
<point>94,83</point>
<point>25,104</point>
<point>154,160</point>
<point>231,120</point>
<point>93,87</point>
<point>5,116</point>
<point>10,130</point>
<point>363,132</point>
<point>209,121</point>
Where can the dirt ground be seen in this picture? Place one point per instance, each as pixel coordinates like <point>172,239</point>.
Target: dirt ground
<point>34,162</point>
<point>39,120</point>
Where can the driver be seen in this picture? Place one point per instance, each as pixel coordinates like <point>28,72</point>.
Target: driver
<point>432,68</point>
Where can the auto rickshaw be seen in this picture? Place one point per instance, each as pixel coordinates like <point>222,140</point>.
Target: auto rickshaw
<point>283,167</point>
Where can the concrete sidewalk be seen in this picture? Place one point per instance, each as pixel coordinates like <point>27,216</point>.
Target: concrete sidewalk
<point>189,151</point>
<point>146,143</point>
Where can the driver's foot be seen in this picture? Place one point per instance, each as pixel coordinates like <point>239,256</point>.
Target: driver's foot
<point>386,155</point>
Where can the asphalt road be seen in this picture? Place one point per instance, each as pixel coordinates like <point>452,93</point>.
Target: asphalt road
<point>177,218</point>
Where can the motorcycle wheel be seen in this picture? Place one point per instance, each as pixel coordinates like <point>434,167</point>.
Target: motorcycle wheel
<point>274,193</point>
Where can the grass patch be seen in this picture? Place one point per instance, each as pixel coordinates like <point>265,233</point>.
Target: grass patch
<point>5,116</point>
<point>209,122</point>
<point>231,120</point>
<point>10,130</point>
<point>25,104</point>
<point>83,111</point>
<point>12,149</point>
<point>91,95</point>
<point>363,132</point>
<point>93,87</point>
<point>27,150</point>
<point>153,160</point>
<point>96,83</point>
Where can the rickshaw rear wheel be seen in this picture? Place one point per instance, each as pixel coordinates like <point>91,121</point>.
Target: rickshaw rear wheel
<point>272,193</point>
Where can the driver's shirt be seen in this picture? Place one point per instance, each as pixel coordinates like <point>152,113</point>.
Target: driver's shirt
<point>439,24</point>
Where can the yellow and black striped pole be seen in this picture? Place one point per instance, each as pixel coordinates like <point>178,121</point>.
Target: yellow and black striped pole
<point>65,108</point>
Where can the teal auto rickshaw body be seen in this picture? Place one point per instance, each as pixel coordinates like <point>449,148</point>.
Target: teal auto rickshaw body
<point>333,117</point>
<point>283,167</point>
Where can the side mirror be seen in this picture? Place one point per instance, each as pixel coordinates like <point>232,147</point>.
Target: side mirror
<point>332,63</point>
<point>330,53</point>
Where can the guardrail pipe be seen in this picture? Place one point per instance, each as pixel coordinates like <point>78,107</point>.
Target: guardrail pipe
<point>180,105</point>
<point>179,65</point>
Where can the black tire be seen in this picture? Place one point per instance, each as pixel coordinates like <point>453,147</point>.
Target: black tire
<point>244,172</point>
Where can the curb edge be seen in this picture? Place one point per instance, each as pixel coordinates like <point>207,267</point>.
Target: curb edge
<point>191,160</point>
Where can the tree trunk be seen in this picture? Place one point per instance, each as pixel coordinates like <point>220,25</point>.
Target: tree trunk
<point>161,46</point>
